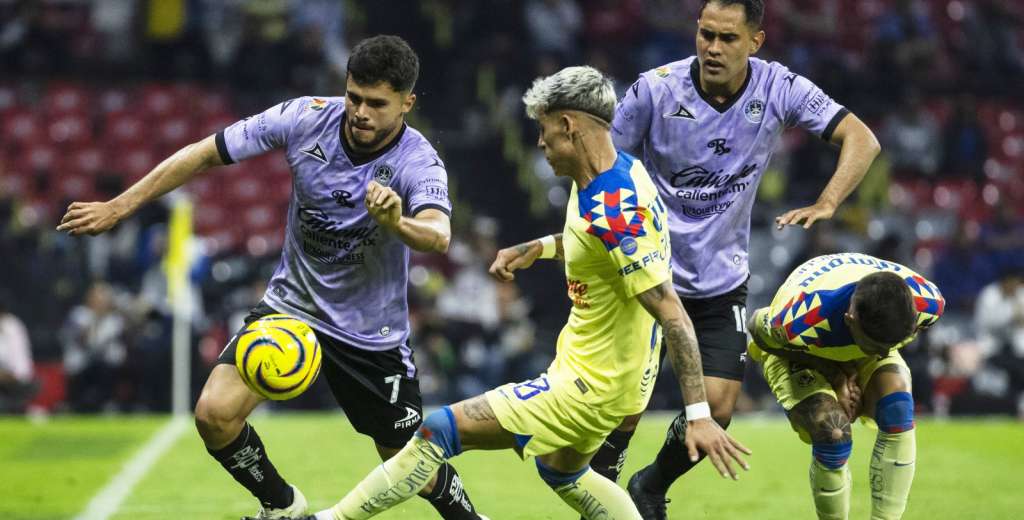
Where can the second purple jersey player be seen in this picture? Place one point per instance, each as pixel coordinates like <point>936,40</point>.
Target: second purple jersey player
<point>705,128</point>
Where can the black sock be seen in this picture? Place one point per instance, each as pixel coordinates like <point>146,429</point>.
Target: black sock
<point>672,461</point>
<point>246,459</point>
<point>449,497</point>
<point>611,455</point>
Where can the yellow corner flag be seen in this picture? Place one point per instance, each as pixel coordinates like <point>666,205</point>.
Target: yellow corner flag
<point>179,251</point>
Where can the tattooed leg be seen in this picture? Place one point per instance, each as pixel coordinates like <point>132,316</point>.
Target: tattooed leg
<point>829,428</point>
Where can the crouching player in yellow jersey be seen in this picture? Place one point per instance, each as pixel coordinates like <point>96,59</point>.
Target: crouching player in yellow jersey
<point>616,251</point>
<point>829,347</point>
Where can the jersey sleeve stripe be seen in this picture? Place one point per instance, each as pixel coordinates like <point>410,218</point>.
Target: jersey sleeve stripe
<point>421,207</point>
<point>222,149</point>
<point>836,119</point>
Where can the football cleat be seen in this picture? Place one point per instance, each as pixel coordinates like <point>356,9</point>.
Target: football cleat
<point>652,506</point>
<point>297,510</point>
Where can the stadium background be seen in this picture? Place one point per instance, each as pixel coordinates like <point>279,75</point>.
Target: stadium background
<point>93,94</point>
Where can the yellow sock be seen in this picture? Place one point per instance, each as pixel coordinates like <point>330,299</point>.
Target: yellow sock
<point>891,473</point>
<point>393,482</point>
<point>595,497</point>
<point>831,491</point>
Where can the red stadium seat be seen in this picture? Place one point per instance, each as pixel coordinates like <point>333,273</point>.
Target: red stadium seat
<point>134,163</point>
<point>87,159</point>
<point>76,186</point>
<point>209,218</point>
<point>66,98</point>
<point>114,99</point>
<point>123,128</point>
<point>175,131</point>
<point>212,102</point>
<point>69,129</point>
<point>40,156</point>
<point>213,123</point>
<point>160,100</point>
<point>22,126</point>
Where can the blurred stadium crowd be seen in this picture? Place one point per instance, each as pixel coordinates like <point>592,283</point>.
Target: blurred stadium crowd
<point>95,93</point>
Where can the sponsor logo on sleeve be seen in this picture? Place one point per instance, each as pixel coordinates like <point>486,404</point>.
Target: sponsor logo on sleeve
<point>317,104</point>
<point>663,71</point>
<point>818,104</point>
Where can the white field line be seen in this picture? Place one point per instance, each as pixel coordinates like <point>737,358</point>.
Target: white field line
<point>109,499</point>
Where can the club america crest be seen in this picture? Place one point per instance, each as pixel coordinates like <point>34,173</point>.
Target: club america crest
<point>383,174</point>
<point>754,110</point>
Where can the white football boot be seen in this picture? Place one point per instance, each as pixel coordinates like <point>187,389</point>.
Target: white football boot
<point>297,509</point>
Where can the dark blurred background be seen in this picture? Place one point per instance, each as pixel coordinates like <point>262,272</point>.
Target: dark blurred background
<point>95,93</point>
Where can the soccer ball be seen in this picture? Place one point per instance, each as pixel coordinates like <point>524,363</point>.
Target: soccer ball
<point>278,356</point>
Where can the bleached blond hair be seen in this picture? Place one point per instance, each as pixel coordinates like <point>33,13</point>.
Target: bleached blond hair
<point>580,88</point>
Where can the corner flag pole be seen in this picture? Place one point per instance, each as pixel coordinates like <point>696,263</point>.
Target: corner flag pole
<point>177,264</point>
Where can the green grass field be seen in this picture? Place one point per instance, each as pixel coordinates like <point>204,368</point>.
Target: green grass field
<point>50,470</point>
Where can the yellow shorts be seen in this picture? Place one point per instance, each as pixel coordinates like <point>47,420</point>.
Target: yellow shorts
<point>545,417</point>
<point>792,382</point>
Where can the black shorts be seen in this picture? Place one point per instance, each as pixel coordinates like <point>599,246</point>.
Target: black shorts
<point>720,323</point>
<point>378,390</point>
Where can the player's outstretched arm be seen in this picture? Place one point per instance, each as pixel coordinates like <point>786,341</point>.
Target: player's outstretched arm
<point>523,255</point>
<point>702,433</point>
<point>93,218</point>
<point>859,147</point>
<point>428,231</point>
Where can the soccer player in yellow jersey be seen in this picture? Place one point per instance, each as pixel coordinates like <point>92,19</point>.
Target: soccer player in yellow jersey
<point>616,252</point>
<point>829,348</point>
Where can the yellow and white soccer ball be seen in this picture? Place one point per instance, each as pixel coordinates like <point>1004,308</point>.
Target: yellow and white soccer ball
<point>278,356</point>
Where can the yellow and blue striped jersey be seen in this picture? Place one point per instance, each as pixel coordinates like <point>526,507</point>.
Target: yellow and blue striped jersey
<point>807,313</point>
<point>616,246</point>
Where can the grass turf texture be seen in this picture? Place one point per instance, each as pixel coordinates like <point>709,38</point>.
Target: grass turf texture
<point>965,469</point>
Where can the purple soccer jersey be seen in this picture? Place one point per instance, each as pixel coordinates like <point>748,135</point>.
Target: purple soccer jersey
<point>339,271</point>
<point>707,159</point>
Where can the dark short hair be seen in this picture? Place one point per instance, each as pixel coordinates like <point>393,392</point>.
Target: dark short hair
<point>384,58</point>
<point>753,9</point>
<point>884,307</point>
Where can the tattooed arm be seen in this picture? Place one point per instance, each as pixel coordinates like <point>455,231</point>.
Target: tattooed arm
<point>522,256</point>
<point>702,434</point>
<point>662,302</point>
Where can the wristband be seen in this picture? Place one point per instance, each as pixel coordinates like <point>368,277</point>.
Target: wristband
<point>697,411</point>
<point>547,245</point>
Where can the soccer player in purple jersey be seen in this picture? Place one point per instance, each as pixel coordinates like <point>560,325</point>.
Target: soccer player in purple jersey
<point>705,128</point>
<point>366,188</point>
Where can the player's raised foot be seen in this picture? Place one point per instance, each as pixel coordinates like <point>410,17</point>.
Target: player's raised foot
<point>652,506</point>
<point>296,511</point>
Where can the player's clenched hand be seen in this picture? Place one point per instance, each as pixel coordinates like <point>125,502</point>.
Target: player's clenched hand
<point>807,215</point>
<point>383,204</point>
<point>89,218</point>
<point>514,258</point>
<point>707,436</point>
<point>848,394</point>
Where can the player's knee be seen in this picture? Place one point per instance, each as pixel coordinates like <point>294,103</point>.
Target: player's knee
<point>832,455</point>
<point>214,419</point>
<point>440,429</point>
<point>556,479</point>
<point>894,413</point>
